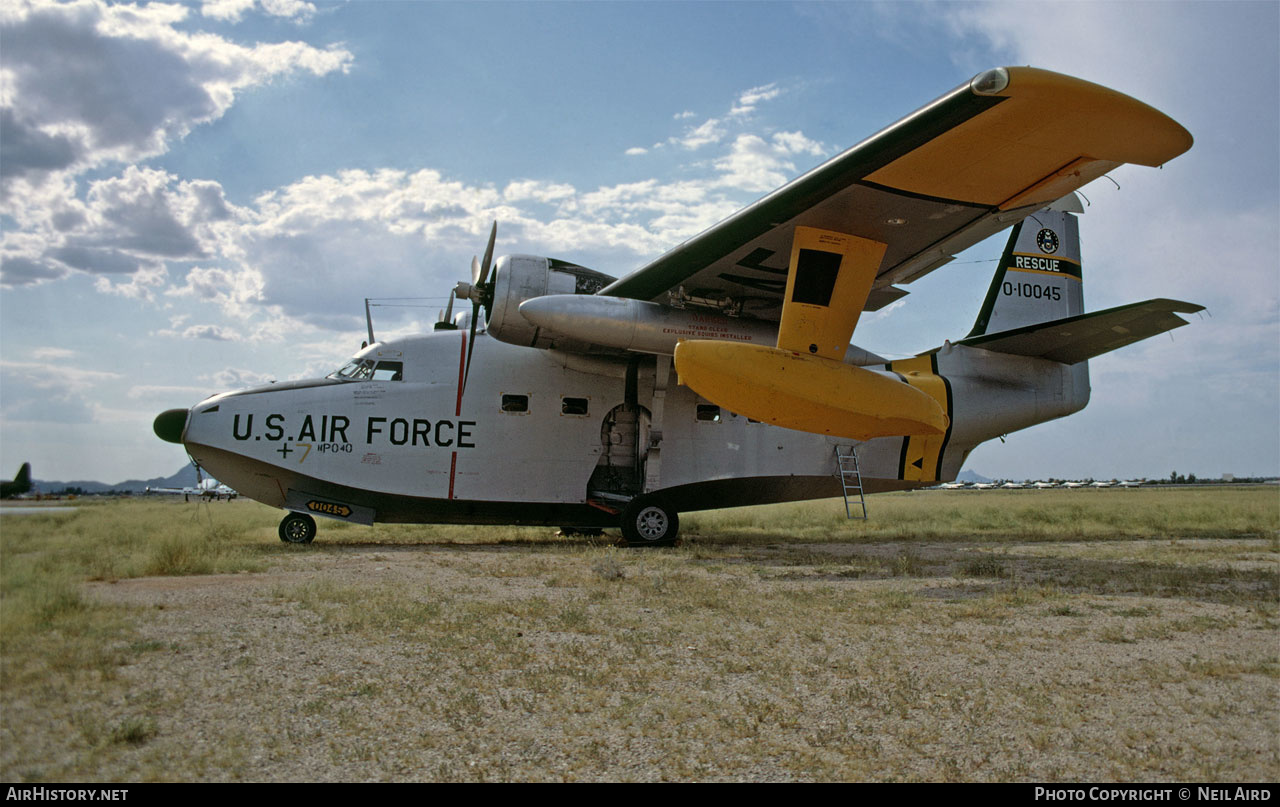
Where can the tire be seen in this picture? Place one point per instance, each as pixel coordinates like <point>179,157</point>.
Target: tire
<point>649,522</point>
<point>297,528</point>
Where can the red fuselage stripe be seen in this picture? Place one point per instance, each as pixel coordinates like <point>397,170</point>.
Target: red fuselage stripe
<point>462,368</point>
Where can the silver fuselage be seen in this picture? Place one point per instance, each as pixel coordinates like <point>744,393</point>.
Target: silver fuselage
<point>527,439</point>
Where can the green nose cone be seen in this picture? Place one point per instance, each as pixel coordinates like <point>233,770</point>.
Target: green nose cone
<point>169,425</point>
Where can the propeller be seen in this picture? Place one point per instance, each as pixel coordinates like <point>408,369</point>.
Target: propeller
<point>480,293</point>
<point>444,322</point>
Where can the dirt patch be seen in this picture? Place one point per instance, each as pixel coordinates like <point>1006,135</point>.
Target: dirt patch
<point>788,662</point>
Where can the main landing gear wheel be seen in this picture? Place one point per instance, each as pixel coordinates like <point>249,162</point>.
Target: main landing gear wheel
<point>649,522</point>
<point>297,528</point>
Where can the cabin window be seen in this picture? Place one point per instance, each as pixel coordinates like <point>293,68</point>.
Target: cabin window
<point>389,371</point>
<point>574,406</point>
<point>708,413</point>
<point>515,404</point>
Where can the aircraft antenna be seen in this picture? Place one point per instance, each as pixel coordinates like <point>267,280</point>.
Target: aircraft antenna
<point>368,319</point>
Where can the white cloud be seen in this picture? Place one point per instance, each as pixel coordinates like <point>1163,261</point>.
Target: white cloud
<point>141,285</point>
<point>749,100</point>
<point>528,189</point>
<point>235,10</point>
<point>636,151</point>
<point>129,224</point>
<point>87,83</point>
<point>226,10</point>
<point>293,260</point>
<point>755,165</point>
<point>797,143</point>
<point>52,353</point>
<point>49,392</point>
<point>216,333</point>
<point>710,131</point>
<point>167,392</point>
<point>296,9</point>
<point>234,378</point>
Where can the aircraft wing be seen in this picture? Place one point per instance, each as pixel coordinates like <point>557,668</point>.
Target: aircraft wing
<point>1076,339</point>
<point>958,170</point>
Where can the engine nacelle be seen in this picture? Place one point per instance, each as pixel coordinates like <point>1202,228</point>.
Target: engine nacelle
<point>523,277</point>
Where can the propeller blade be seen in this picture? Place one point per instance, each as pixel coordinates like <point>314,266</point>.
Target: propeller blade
<point>448,312</point>
<point>488,255</point>
<point>471,347</point>
<point>478,296</point>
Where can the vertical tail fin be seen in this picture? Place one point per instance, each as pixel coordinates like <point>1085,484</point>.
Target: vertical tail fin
<point>20,484</point>
<point>1038,279</point>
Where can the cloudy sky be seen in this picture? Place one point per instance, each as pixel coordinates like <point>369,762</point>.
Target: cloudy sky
<point>195,197</point>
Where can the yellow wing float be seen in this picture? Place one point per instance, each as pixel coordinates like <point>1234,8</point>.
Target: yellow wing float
<point>803,382</point>
<point>1037,137</point>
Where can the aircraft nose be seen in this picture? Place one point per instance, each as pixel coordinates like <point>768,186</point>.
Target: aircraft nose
<point>169,425</point>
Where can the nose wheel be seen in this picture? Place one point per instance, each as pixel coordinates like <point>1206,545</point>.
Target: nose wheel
<point>297,528</point>
<point>649,522</point>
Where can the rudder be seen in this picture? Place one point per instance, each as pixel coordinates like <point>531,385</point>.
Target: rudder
<point>1039,277</point>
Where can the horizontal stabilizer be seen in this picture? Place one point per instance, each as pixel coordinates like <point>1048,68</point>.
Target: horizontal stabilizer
<point>1079,338</point>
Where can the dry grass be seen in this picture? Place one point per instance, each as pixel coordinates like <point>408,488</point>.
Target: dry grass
<point>1115,638</point>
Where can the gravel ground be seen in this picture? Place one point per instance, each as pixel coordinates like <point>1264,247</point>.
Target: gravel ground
<point>368,663</point>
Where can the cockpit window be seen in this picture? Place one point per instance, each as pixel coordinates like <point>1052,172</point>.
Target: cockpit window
<point>368,369</point>
<point>354,370</point>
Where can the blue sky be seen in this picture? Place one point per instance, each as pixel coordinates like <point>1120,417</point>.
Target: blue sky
<point>195,197</point>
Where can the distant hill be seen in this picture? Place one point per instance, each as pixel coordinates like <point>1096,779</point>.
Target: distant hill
<point>972,477</point>
<point>185,476</point>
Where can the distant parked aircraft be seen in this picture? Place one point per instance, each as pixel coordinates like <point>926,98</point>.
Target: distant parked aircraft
<point>20,484</point>
<point>207,488</point>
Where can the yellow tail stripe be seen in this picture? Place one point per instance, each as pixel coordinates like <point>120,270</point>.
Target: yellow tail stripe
<point>922,454</point>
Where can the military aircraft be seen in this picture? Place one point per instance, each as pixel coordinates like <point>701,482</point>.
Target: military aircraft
<point>20,484</point>
<point>721,373</point>
<point>206,487</point>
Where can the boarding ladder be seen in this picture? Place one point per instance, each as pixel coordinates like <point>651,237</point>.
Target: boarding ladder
<point>850,480</point>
